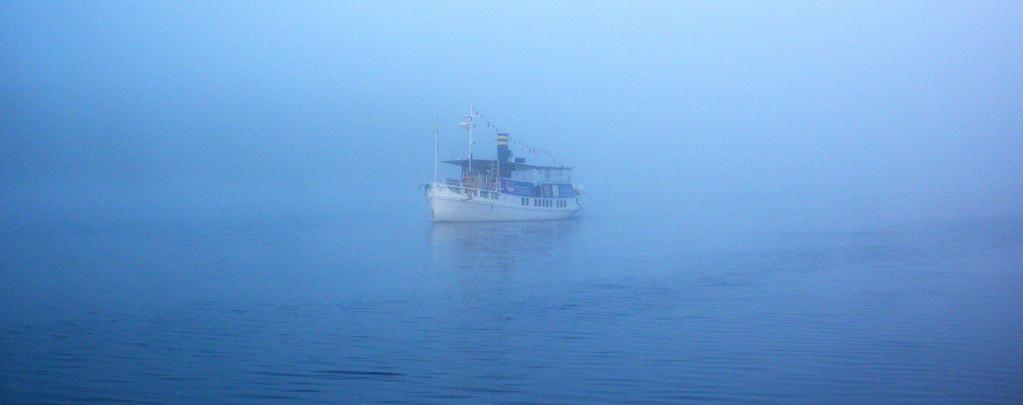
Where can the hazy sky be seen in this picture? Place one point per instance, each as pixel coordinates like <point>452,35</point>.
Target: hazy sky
<point>785,112</point>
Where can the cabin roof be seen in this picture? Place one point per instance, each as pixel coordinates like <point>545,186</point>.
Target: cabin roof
<point>488,163</point>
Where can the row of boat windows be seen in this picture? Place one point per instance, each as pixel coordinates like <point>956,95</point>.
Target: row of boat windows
<point>539,202</point>
<point>493,195</point>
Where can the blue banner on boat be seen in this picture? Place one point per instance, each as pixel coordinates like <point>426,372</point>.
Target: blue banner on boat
<point>509,186</point>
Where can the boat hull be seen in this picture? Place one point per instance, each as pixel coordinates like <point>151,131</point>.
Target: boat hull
<point>452,207</point>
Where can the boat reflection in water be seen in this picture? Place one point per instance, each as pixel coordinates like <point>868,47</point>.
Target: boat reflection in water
<point>503,245</point>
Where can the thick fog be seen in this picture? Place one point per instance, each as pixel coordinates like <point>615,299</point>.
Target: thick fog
<point>746,114</point>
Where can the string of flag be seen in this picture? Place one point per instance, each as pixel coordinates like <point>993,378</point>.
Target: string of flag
<point>530,148</point>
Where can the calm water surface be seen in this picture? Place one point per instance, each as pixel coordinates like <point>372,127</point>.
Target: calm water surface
<point>390,307</point>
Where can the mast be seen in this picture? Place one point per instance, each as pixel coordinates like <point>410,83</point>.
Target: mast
<point>469,120</point>
<point>468,125</point>
<point>436,146</point>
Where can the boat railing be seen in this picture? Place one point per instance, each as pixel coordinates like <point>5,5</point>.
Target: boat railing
<point>486,188</point>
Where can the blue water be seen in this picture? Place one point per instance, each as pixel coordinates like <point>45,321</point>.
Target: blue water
<point>390,307</point>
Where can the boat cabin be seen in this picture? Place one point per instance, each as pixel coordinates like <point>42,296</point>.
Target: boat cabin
<point>515,177</point>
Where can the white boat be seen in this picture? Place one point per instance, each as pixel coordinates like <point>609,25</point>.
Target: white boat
<point>502,189</point>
